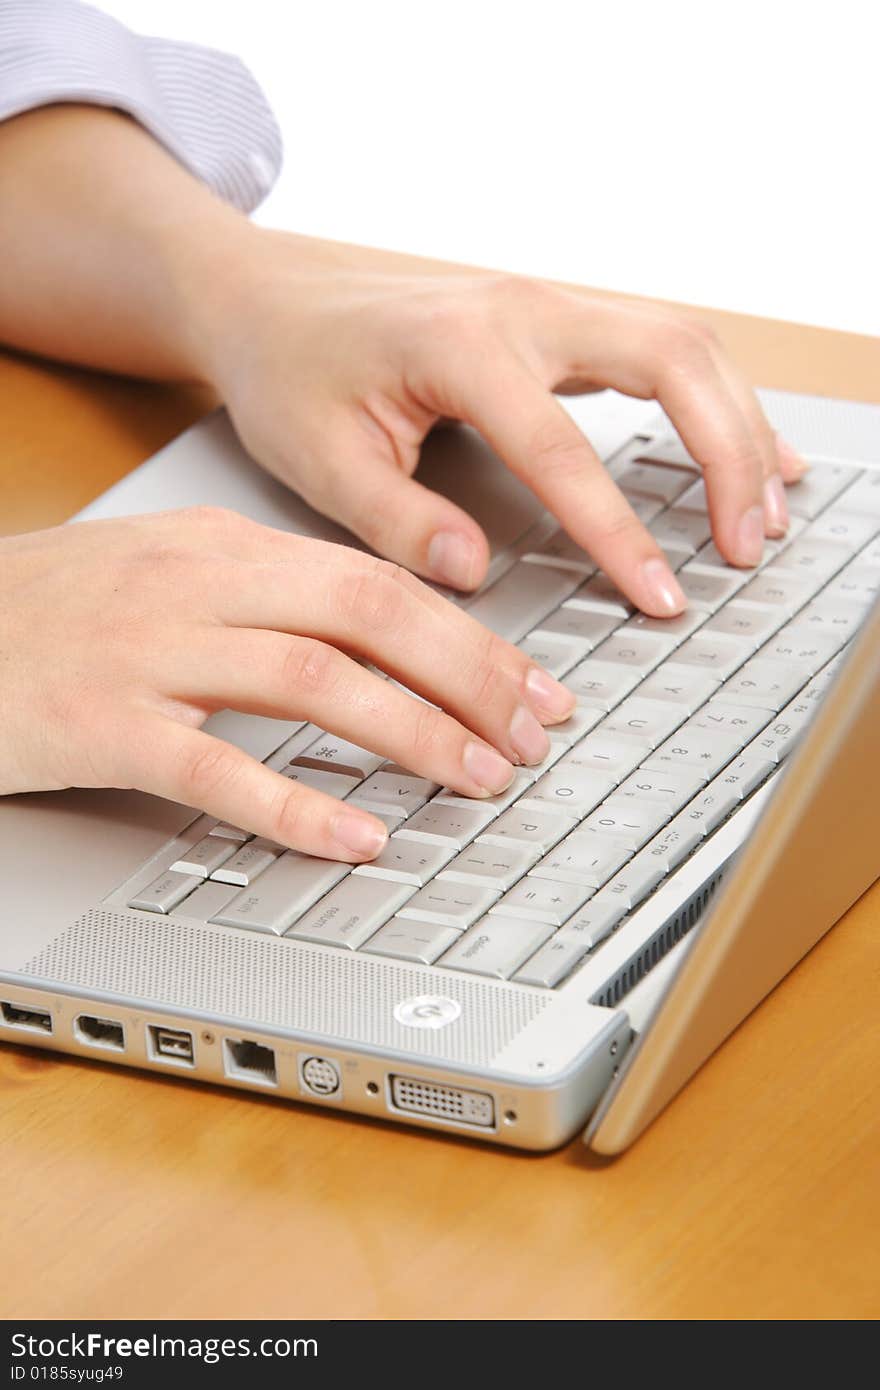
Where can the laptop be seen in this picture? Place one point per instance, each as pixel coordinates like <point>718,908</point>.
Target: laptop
<point>563,957</point>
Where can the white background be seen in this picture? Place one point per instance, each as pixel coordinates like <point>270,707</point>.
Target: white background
<point>721,153</point>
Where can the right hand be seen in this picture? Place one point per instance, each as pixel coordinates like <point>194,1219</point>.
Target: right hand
<point>119,638</point>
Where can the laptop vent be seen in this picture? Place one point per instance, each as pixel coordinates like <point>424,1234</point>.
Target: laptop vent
<point>662,941</point>
<point>245,978</point>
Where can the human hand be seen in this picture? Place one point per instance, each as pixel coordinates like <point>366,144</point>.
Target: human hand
<point>335,363</point>
<point>127,634</point>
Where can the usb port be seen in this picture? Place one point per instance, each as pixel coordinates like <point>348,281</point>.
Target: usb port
<point>99,1032</point>
<point>20,1016</point>
<point>245,1060</point>
<point>170,1045</point>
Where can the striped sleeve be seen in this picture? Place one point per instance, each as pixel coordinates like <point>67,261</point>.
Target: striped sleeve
<point>203,106</point>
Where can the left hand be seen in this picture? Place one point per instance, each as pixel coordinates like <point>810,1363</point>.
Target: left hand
<point>335,363</point>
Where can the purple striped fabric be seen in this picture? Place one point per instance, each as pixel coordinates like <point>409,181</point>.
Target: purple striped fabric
<point>204,106</point>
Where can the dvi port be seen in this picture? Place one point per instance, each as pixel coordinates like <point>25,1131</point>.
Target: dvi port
<point>436,1102</point>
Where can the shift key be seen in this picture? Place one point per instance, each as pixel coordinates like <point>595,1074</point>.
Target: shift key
<point>282,893</point>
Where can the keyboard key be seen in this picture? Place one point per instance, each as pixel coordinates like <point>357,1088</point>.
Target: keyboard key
<point>635,881</point>
<point>713,804</point>
<point>518,601</point>
<point>714,652</point>
<point>331,754</point>
<point>708,589</point>
<point>349,914</point>
<point>542,900</point>
<point>779,738</point>
<point>669,450</point>
<point>521,782</point>
<point>672,787</point>
<point>653,480</point>
<point>576,727</point>
<point>863,496</point>
<point>575,790</point>
<point>248,862</point>
<point>641,651</point>
<point>745,773</point>
<point>395,791</point>
<point>815,559</point>
<point>677,628</point>
<point>688,530</point>
<point>601,684</point>
<point>230,832</point>
<point>407,861</point>
<point>207,900</point>
<point>525,825</point>
<point>844,527</point>
<point>554,960</point>
<point>496,946</point>
<point>282,893</point>
<point>455,905</point>
<point>650,721</point>
<point>695,499</point>
<point>856,584</point>
<point>583,859</point>
<point>740,721</point>
<point>673,844</point>
<point>807,649</point>
<point>595,921</point>
<point>165,892</point>
<point>205,856</point>
<point>818,487</point>
<point>701,749</point>
<point>832,616</point>
<point>403,939</point>
<point>711,556</point>
<point>559,550</point>
<point>608,752</point>
<point>332,783</point>
<point>451,825</point>
<point>628,820</point>
<point>491,866</point>
<point>554,654</point>
<point>602,594</point>
<point>579,625</point>
<point>767,684</point>
<point>777,589</point>
<point>679,685</point>
<point>752,625</point>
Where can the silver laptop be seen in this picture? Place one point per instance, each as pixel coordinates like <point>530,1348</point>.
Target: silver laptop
<point>564,955</point>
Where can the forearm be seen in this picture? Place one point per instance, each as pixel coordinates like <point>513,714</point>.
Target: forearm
<point>107,244</point>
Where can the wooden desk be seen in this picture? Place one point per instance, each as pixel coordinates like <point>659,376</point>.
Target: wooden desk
<point>757,1194</point>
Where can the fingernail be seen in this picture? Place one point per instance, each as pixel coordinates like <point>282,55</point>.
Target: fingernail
<point>662,589</point>
<point>527,736</point>
<point>491,772</point>
<point>775,507</point>
<point>794,462</point>
<point>452,559</point>
<point>750,537</point>
<point>548,697</point>
<point>359,835</point>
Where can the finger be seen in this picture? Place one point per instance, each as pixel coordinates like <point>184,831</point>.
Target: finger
<point>366,490</point>
<point>269,673</point>
<point>375,610</point>
<point>649,352</point>
<point>778,464</point>
<point>188,765</point>
<point>540,442</point>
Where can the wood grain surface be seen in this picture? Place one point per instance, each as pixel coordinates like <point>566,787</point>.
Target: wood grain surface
<point>757,1193</point>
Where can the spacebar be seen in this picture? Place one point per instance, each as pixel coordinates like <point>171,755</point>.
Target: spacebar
<point>522,597</point>
<point>281,894</point>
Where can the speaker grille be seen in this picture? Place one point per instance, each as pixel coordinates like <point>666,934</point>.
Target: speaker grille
<point>284,984</point>
<point>656,948</point>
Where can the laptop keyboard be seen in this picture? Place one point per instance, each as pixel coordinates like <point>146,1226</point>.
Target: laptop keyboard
<point>678,722</point>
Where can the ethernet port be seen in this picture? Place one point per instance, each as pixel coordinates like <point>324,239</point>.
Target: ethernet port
<point>99,1032</point>
<point>245,1060</point>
